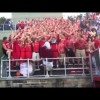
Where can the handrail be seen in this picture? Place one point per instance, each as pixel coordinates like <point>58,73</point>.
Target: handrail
<point>65,67</point>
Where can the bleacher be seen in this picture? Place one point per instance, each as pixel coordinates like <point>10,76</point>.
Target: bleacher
<point>68,69</point>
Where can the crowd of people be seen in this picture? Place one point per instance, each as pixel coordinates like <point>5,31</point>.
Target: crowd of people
<point>52,38</point>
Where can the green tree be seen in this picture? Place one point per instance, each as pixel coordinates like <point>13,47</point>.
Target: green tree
<point>2,20</point>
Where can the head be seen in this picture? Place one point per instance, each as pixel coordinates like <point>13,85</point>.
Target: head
<point>81,37</point>
<point>61,40</point>
<point>42,38</point>
<point>10,39</point>
<point>53,40</point>
<point>36,40</point>
<point>89,40</point>
<point>4,38</point>
<point>69,37</point>
<point>26,41</point>
<point>46,38</point>
<point>22,42</point>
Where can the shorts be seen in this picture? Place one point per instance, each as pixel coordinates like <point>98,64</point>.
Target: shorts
<point>62,56</point>
<point>35,56</point>
<point>80,53</point>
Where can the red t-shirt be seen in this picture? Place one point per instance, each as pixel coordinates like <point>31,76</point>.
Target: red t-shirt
<point>69,43</point>
<point>17,46</point>
<point>22,54</point>
<point>36,47</point>
<point>80,44</point>
<point>54,47</point>
<point>41,43</point>
<point>7,44</point>
<point>61,48</point>
<point>76,45</point>
<point>97,43</point>
<point>28,48</point>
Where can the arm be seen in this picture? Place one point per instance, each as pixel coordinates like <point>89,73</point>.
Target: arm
<point>16,36</point>
<point>93,46</point>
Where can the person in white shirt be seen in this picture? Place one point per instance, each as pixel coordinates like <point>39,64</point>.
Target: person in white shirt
<point>47,45</point>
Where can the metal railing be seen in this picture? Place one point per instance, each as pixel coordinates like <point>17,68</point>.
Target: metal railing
<point>8,27</point>
<point>62,71</point>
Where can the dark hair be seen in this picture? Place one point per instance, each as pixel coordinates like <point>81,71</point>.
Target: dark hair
<point>26,40</point>
<point>33,39</point>
<point>42,38</point>
<point>89,38</point>
<point>4,38</point>
<point>81,35</point>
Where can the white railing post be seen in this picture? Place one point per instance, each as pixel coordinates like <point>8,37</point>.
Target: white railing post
<point>28,67</point>
<point>47,75</point>
<point>9,69</point>
<point>1,68</point>
<point>91,67</point>
<point>83,66</point>
<point>65,65</point>
<point>3,27</point>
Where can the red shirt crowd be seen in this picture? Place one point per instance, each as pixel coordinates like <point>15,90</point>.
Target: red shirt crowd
<point>22,42</point>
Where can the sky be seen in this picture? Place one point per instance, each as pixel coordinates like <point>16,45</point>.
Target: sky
<point>9,15</point>
<point>6,15</point>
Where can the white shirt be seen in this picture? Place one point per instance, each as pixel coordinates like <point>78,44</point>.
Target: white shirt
<point>24,69</point>
<point>47,44</point>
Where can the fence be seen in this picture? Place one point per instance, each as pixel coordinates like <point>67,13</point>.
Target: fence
<point>8,27</point>
<point>47,70</point>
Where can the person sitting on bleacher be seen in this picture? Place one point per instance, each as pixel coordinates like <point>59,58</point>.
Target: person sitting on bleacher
<point>6,47</point>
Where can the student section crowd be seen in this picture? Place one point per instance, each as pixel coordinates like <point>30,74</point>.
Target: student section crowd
<point>52,38</point>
